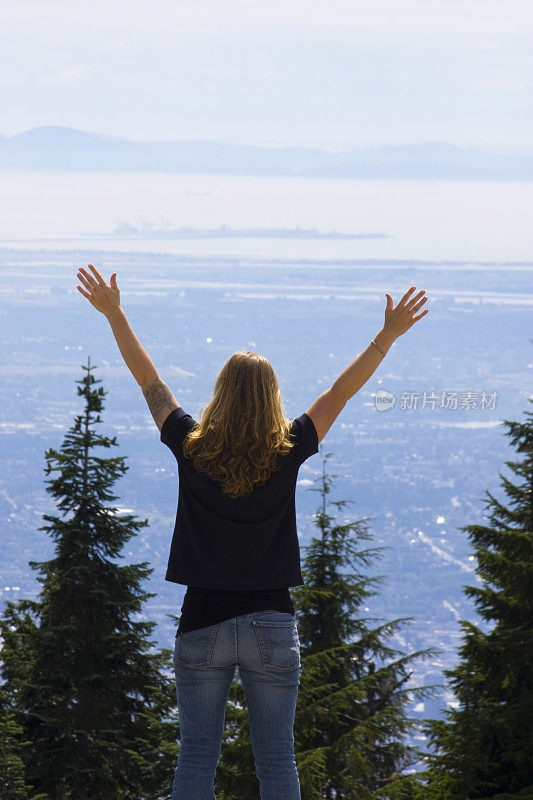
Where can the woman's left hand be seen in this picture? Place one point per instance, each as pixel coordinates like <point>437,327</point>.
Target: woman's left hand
<point>104,297</point>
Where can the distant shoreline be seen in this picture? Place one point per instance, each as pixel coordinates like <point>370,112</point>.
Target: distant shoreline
<point>127,231</point>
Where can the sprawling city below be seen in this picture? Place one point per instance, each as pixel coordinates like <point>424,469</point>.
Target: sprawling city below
<point>415,468</point>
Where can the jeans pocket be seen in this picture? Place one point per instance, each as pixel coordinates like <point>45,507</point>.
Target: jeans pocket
<point>195,648</point>
<point>278,643</point>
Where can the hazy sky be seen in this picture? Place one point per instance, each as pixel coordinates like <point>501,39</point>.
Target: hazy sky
<point>328,73</point>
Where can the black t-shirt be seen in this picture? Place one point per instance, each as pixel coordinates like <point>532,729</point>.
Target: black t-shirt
<point>235,554</point>
<point>203,607</point>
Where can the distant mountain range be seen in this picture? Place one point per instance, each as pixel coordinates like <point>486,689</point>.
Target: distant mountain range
<point>65,149</point>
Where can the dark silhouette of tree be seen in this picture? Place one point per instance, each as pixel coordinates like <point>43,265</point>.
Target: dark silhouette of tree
<point>351,717</point>
<point>484,747</point>
<point>13,784</point>
<point>96,704</point>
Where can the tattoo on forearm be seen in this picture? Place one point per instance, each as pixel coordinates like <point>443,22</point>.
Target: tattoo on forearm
<point>158,396</point>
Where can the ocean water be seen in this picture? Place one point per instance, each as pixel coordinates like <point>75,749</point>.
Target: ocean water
<point>426,220</point>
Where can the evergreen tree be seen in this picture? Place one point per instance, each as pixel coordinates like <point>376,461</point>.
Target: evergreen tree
<point>484,747</point>
<point>13,784</point>
<point>350,716</point>
<point>97,706</point>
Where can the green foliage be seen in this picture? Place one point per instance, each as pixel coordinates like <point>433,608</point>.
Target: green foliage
<point>96,704</point>
<point>351,718</point>
<point>484,747</point>
<point>13,784</point>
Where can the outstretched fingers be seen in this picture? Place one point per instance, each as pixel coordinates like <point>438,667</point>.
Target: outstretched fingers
<point>418,305</point>
<point>406,295</point>
<point>99,277</point>
<point>86,279</point>
<point>412,302</point>
<point>425,311</point>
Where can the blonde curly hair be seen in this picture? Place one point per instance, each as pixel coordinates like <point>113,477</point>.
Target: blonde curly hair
<point>242,431</point>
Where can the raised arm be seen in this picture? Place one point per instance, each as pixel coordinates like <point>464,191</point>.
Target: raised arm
<point>106,299</point>
<point>398,320</point>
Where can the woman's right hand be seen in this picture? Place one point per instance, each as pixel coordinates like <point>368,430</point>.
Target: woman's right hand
<point>398,320</point>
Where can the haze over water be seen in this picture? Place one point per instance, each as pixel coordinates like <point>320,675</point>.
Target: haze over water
<point>426,220</point>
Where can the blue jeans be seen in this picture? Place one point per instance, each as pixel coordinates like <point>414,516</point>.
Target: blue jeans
<point>266,647</point>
